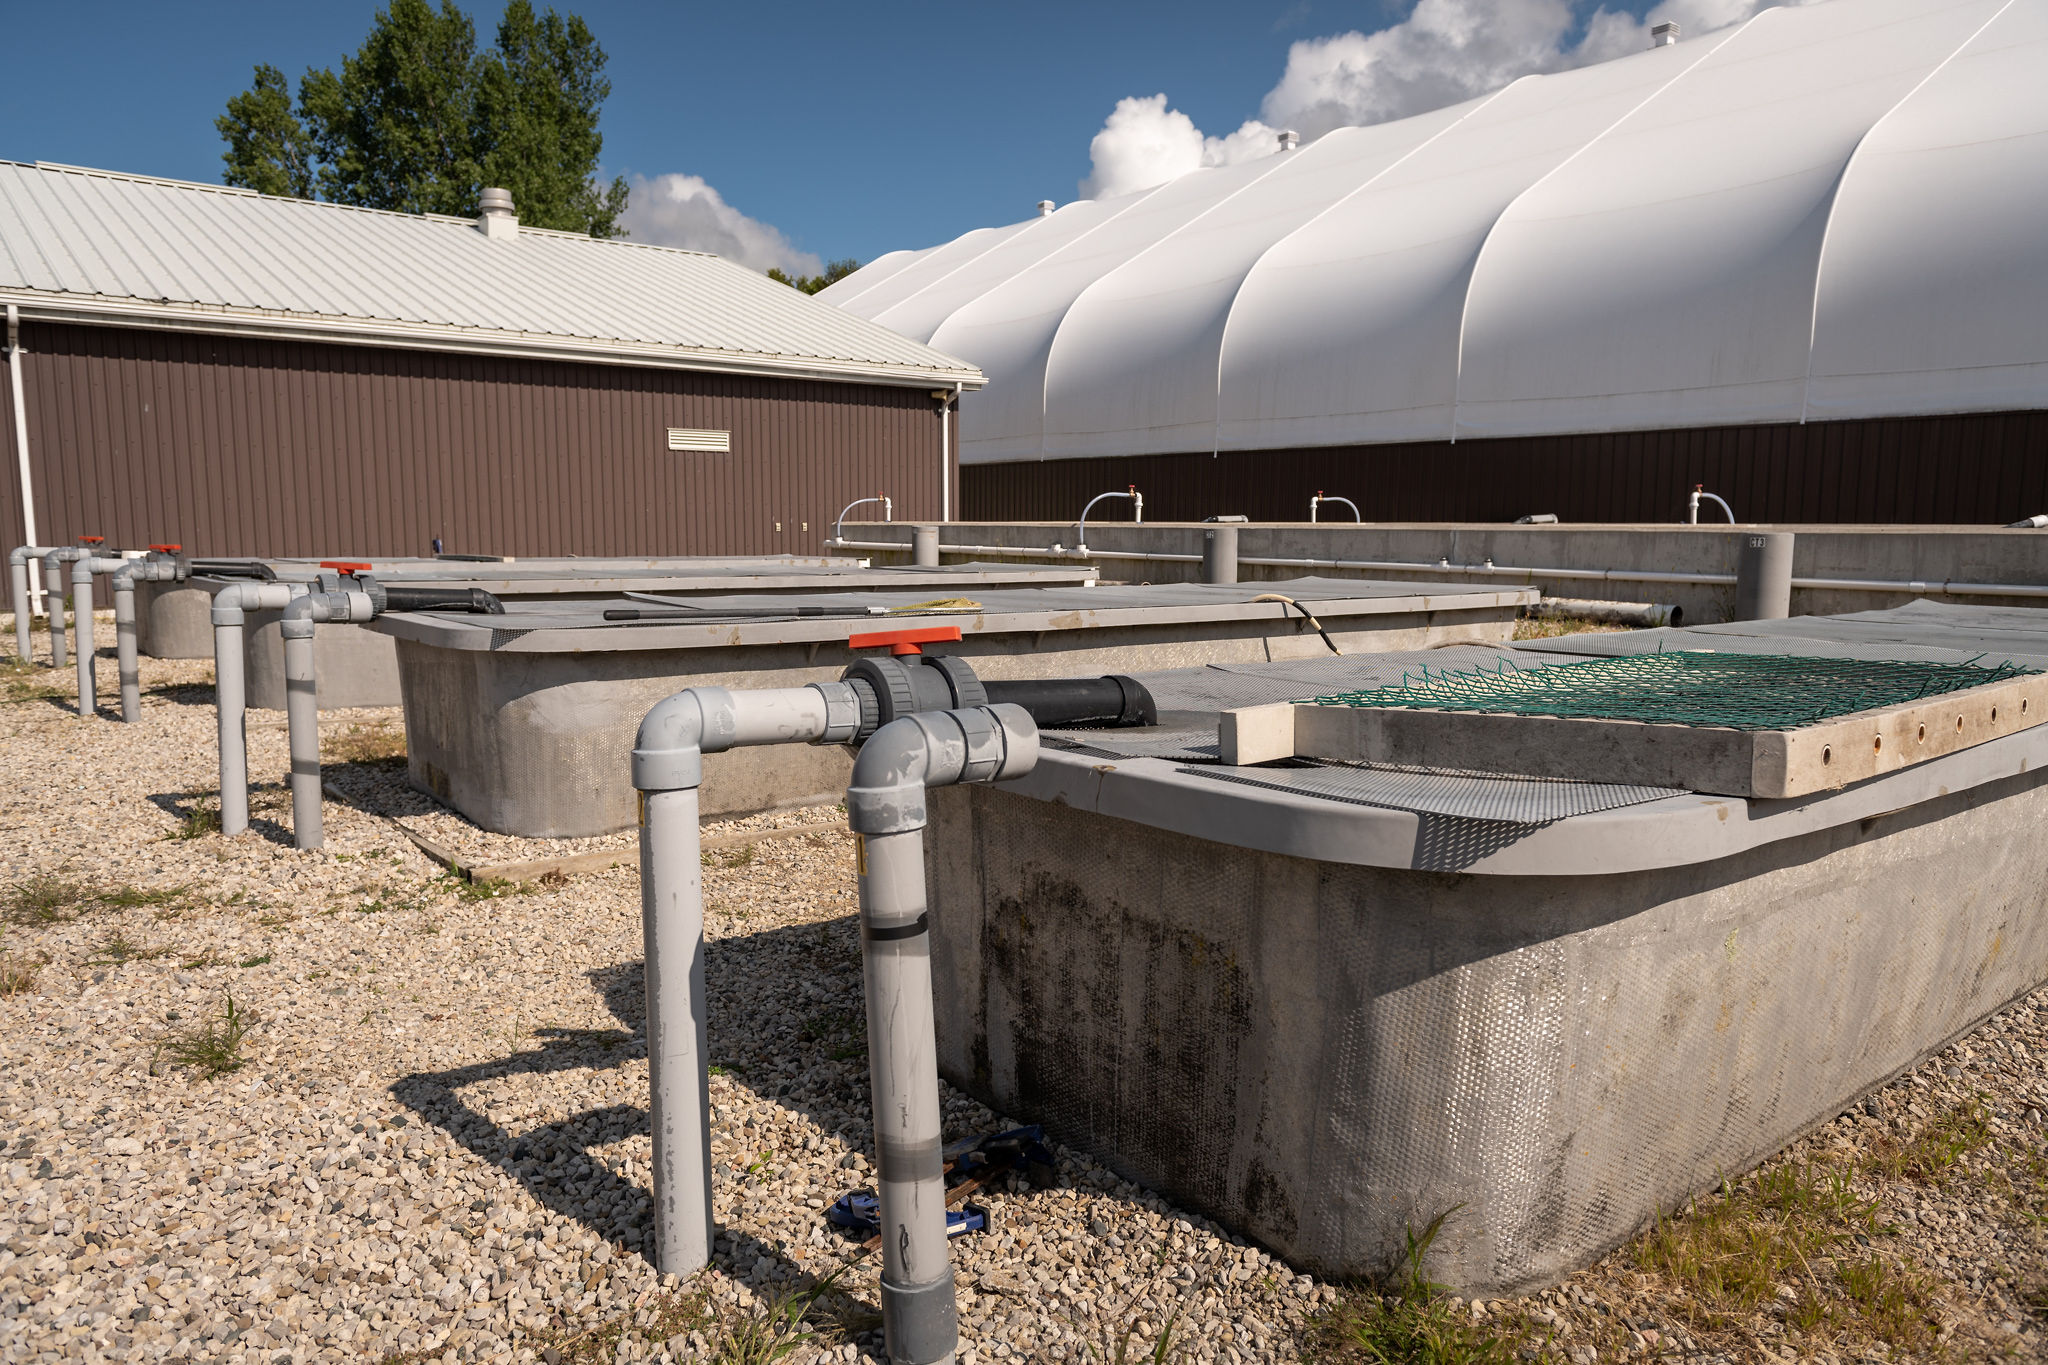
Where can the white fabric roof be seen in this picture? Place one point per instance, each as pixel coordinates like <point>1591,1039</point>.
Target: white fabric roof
<point>1830,211</point>
<point>129,249</point>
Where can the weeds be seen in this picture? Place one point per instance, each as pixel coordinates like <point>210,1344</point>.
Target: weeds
<point>1550,627</point>
<point>117,949</point>
<point>47,900</point>
<point>773,1327</point>
<point>1930,1155</point>
<point>211,1047</point>
<point>21,681</point>
<point>374,745</point>
<point>248,962</point>
<point>1409,1318</point>
<point>1144,1318</point>
<point>741,855</point>
<point>198,822</point>
<point>19,972</point>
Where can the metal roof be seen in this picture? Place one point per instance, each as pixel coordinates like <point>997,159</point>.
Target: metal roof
<point>87,245</point>
<point>1828,211</point>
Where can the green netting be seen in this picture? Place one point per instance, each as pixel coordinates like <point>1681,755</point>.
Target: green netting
<point>1691,687</point>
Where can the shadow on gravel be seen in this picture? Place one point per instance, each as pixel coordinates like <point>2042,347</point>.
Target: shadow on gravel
<point>264,797</point>
<point>785,1020</point>
<point>182,694</point>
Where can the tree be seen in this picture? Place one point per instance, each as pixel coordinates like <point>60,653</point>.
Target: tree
<point>268,150</point>
<point>835,271</point>
<point>419,122</point>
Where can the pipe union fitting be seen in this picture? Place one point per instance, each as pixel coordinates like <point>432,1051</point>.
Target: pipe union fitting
<point>842,712</point>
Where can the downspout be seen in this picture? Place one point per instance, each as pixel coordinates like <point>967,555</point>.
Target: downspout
<point>20,407</point>
<point>231,695</point>
<point>886,807</point>
<point>946,399</point>
<point>24,595</point>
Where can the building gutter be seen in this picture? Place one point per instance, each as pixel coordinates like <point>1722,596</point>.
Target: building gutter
<point>421,336</point>
<point>20,408</point>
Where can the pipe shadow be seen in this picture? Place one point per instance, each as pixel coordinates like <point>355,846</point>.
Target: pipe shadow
<point>184,806</point>
<point>183,694</point>
<point>556,1163</point>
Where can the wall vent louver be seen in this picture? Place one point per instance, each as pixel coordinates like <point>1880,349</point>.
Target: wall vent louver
<point>687,438</point>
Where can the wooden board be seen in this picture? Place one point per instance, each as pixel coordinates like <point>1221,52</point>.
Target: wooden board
<point>1770,764</point>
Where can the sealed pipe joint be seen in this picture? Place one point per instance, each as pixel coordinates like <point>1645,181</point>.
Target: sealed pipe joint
<point>933,749</point>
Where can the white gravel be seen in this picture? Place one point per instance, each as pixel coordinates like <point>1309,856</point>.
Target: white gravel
<point>438,1143</point>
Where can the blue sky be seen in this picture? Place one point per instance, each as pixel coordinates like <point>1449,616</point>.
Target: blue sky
<point>835,129</point>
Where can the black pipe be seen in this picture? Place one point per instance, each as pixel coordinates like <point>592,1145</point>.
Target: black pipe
<point>721,613</point>
<point>442,599</point>
<point>234,568</point>
<point>1115,701</point>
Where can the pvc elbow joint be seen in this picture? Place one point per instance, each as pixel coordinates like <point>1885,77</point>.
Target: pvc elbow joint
<point>668,753</point>
<point>935,749</point>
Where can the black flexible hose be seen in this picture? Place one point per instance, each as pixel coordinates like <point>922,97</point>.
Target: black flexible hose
<point>442,599</point>
<point>722,613</point>
<point>234,568</point>
<point>1115,701</point>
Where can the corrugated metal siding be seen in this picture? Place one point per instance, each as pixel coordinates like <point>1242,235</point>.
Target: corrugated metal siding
<point>232,446</point>
<point>1977,468</point>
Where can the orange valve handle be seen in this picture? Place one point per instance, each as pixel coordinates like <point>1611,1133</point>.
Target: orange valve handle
<point>92,540</point>
<point>344,566</point>
<point>167,549</point>
<point>901,642</point>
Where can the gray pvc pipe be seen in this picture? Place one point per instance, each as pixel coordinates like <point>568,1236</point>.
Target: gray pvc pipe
<point>231,694</point>
<point>127,652</point>
<point>668,767</point>
<point>53,599</point>
<point>17,566</point>
<point>1219,554</point>
<point>302,701</point>
<point>1763,576</point>
<point>886,808</point>
<point>924,547</point>
<point>82,571</point>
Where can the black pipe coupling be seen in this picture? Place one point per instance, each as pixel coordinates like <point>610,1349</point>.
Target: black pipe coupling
<point>891,687</point>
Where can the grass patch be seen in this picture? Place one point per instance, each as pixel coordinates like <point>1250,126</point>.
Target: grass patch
<point>262,961</point>
<point>1409,1318</point>
<point>117,949</point>
<point>1550,627</point>
<point>34,682</point>
<point>211,1047</point>
<point>47,900</point>
<point>481,888</point>
<point>741,855</point>
<point>198,822</point>
<point>20,972</point>
<point>1930,1155</point>
<point>375,745</point>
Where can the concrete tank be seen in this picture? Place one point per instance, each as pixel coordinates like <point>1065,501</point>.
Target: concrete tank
<point>524,722</point>
<point>1325,1004</point>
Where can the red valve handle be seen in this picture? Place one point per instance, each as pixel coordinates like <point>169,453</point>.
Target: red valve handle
<point>92,540</point>
<point>901,642</point>
<point>344,566</point>
<point>167,549</point>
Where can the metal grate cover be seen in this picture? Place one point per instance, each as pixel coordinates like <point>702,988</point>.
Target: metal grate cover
<point>1690,687</point>
<point>1436,791</point>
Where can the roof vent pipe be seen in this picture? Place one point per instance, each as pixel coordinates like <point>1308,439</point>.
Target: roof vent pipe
<point>1045,208</point>
<point>1664,35</point>
<point>1289,139</point>
<point>497,219</point>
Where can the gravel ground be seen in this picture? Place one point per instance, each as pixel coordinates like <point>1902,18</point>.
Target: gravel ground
<point>437,1147</point>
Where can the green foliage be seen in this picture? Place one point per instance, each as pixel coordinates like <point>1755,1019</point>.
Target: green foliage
<point>835,271</point>
<point>212,1047</point>
<point>1410,1320</point>
<point>268,149</point>
<point>44,900</point>
<point>419,121</point>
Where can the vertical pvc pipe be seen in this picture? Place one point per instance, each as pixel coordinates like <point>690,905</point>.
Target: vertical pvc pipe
<point>918,1314</point>
<point>126,649</point>
<point>1219,554</point>
<point>230,707</point>
<point>88,683</point>
<point>24,645</point>
<point>53,589</point>
<point>1763,576</point>
<point>302,723</point>
<point>924,546</point>
<point>678,1039</point>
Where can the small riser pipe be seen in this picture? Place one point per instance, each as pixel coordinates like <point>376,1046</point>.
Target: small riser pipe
<point>678,1038</point>
<point>302,724</point>
<point>919,1319</point>
<point>924,547</point>
<point>88,680</point>
<point>24,646</point>
<point>1763,576</point>
<point>53,607</point>
<point>126,650</point>
<point>1219,555</point>
<point>230,706</point>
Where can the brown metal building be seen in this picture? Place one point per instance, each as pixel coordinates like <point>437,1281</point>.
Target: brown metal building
<point>242,374</point>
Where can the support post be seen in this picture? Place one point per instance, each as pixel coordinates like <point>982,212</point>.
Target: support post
<point>1763,576</point>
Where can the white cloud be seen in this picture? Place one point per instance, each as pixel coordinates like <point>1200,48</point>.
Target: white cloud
<point>682,210</point>
<point>1143,143</point>
<point>1443,52</point>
